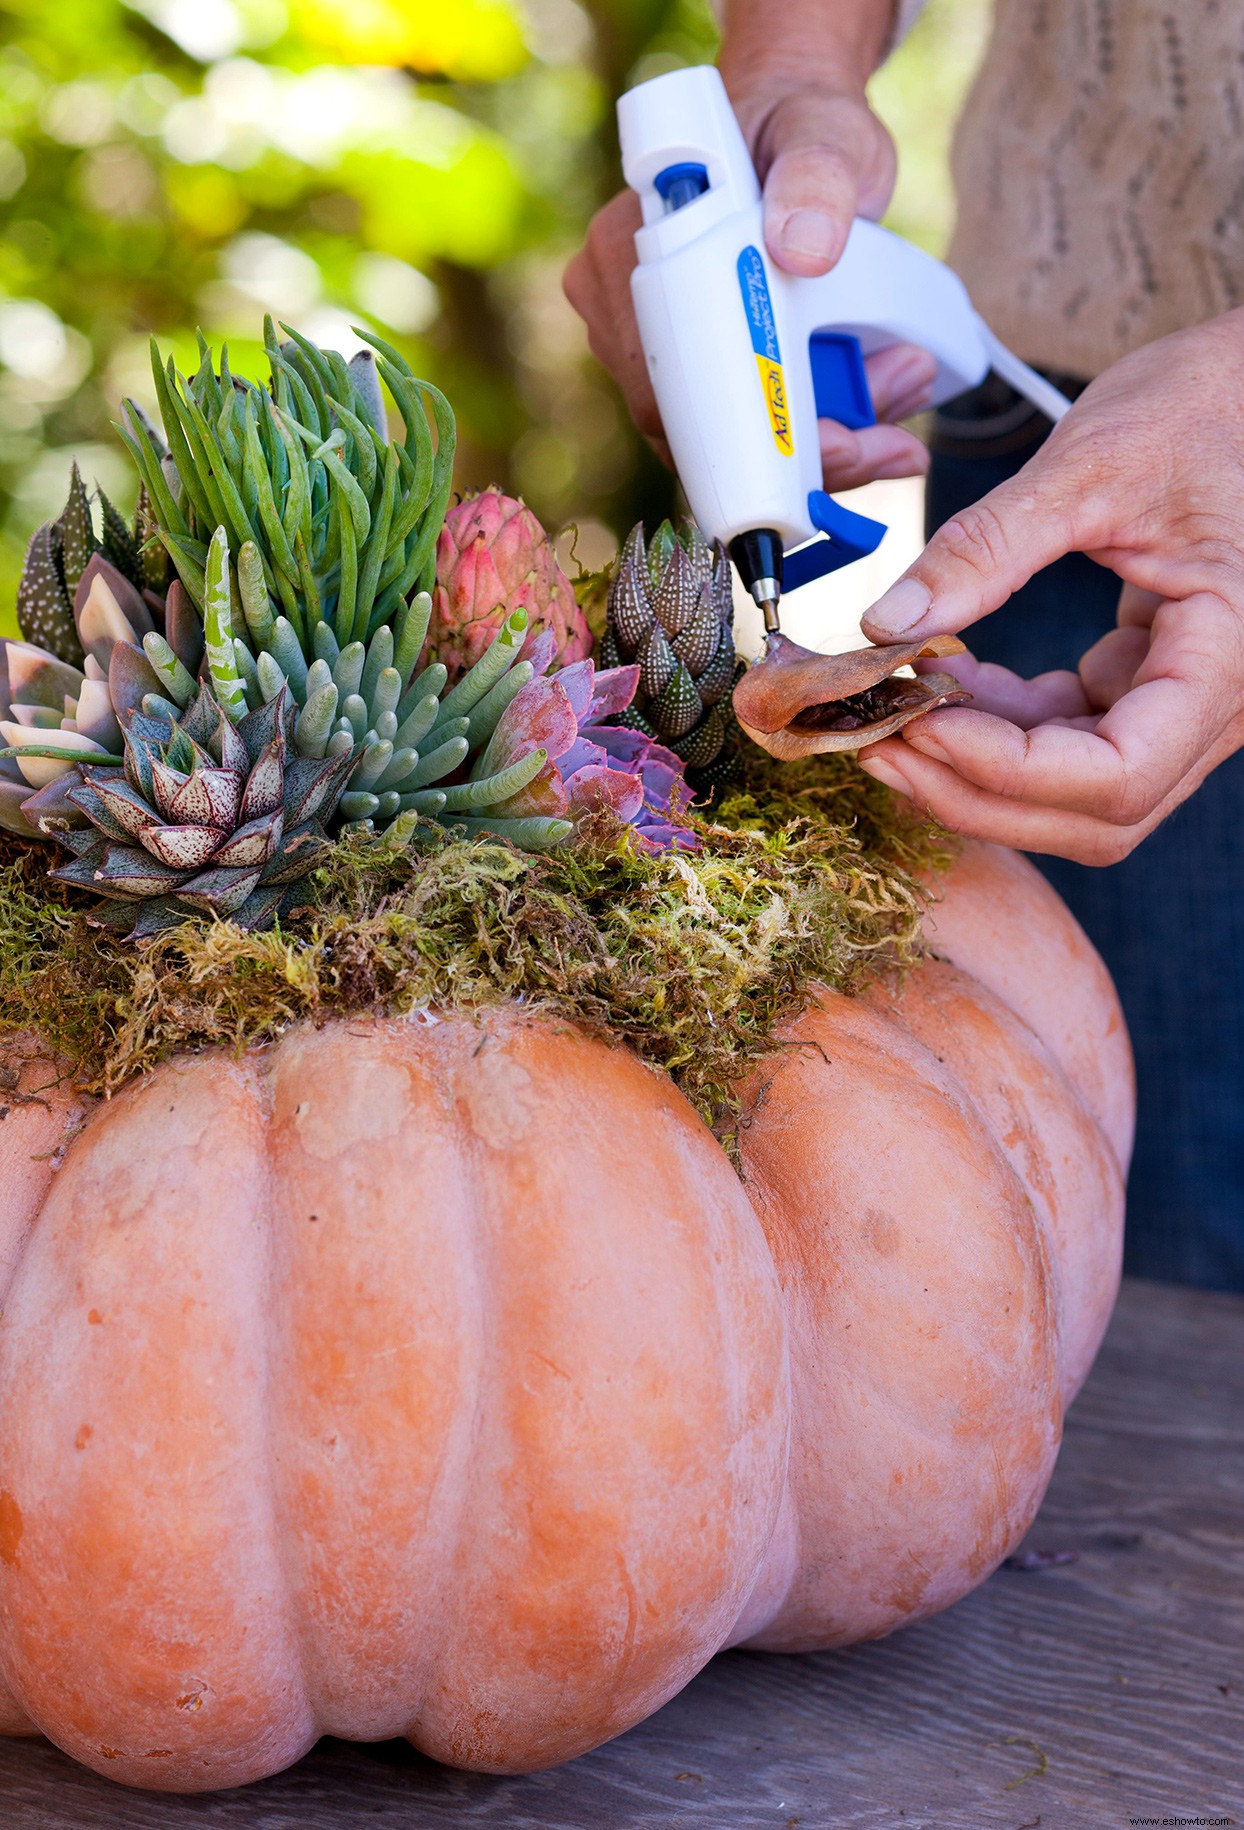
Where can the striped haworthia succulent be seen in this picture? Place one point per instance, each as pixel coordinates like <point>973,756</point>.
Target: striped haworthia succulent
<point>60,554</point>
<point>671,611</point>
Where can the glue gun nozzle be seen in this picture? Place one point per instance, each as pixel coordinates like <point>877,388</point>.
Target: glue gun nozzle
<point>758,557</point>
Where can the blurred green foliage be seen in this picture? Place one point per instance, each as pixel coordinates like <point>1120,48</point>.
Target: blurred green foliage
<point>424,166</point>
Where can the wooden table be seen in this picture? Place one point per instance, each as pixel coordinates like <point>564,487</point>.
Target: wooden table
<point>1072,1697</point>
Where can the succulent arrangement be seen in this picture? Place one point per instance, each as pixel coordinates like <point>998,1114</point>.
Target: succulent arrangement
<point>670,610</point>
<point>291,566</point>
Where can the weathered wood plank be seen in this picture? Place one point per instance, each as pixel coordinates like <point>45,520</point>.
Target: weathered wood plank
<point>1120,1676</point>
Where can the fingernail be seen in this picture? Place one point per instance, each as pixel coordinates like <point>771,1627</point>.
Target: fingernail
<point>901,607</point>
<point>810,233</point>
<point>882,772</point>
<point>925,740</point>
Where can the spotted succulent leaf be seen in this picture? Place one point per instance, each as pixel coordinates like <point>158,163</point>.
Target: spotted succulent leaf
<point>697,642</point>
<point>44,607</point>
<point>678,707</point>
<point>254,843</point>
<point>82,869</point>
<point>657,662</point>
<point>703,742</point>
<point>298,852</point>
<point>118,542</point>
<point>676,597</point>
<point>265,786</point>
<point>114,806</point>
<point>78,542</point>
<point>219,890</point>
<point>720,674</point>
<point>133,870</point>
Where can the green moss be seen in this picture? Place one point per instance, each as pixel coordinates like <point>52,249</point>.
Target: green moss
<point>806,875</point>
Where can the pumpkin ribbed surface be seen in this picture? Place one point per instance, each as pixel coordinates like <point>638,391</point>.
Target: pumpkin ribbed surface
<point>336,1400</point>
<point>442,1378</point>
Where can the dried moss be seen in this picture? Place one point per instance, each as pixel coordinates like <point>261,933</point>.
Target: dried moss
<point>806,874</point>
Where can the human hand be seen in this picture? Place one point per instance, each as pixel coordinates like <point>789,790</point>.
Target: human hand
<point>1146,475</point>
<point>823,157</point>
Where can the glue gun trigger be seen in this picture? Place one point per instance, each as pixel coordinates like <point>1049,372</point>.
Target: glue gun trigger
<point>840,379</point>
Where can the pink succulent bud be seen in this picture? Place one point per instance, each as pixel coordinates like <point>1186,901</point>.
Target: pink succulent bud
<point>493,557</point>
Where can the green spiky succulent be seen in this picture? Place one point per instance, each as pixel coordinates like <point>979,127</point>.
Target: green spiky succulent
<point>670,609</point>
<point>343,520</point>
<point>203,815</point>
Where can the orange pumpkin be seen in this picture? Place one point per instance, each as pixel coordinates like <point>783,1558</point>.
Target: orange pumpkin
<point>443,1379</point>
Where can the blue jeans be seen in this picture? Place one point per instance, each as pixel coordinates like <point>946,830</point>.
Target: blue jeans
<point>1169,922</point>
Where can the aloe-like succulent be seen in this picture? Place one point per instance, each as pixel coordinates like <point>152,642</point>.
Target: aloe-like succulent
<point>60,553</point>
<point>342,520</point>
<point>201,814</point>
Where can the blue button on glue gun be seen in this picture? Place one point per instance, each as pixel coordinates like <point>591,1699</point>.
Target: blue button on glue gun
<point>745,358</point>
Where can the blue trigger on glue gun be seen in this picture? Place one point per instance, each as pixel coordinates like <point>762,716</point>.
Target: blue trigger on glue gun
<point>848,537</point>
<point>840,390</point>
<point>839,379</point>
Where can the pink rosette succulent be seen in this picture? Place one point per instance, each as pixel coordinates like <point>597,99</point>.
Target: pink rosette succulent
<point>591,767</point>
<point>493,557</point>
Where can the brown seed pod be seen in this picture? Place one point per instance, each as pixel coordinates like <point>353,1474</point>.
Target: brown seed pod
<point>796,703</point>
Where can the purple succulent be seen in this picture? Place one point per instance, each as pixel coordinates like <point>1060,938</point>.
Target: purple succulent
<point>591,766</point>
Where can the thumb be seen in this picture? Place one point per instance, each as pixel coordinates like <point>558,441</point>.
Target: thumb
<point>976,561</point>
<point>823,159</point>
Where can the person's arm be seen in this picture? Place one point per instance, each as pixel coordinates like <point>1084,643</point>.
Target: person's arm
<point>796,71</point>
<point>1145,474</point>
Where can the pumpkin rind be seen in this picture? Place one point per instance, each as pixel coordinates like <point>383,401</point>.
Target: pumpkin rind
<point>999,919</point>
<point>38,1113</point>
<point>338,1399</point>
<point>924,1348</point>
<point>441,1377</point>
<point>1046,1133</point>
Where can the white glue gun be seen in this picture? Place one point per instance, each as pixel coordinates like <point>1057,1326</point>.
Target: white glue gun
<point>745,358</point>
